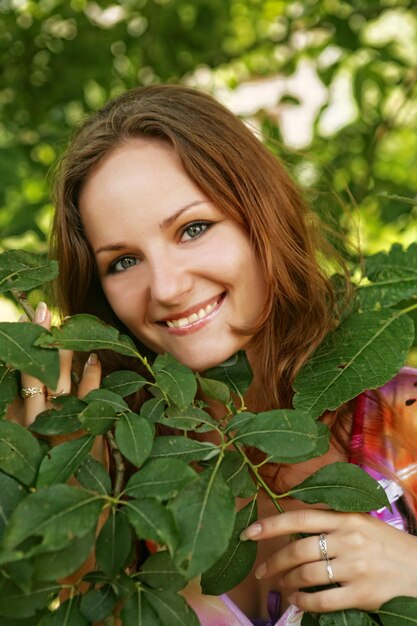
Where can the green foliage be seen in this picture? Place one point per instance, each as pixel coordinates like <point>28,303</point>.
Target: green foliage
<point>58,503</point>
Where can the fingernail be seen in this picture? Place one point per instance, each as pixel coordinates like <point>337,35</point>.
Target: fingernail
<point>261,571</point>
<point>250,532</point>
<point>92,359</point>
<point>40,313</point>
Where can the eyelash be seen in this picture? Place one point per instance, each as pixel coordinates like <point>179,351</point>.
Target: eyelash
<point>205,226</point>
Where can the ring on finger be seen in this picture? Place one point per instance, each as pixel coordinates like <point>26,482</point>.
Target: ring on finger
<point>330,572</point>
<point>32,392</point>
<point>323,547</point>
<point>54,396</point>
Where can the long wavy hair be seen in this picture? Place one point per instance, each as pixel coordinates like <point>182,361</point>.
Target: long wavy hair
<point>232,167</point>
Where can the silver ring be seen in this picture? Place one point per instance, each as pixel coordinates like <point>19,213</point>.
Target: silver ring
<point>52,396</point>
<point>323,547</point>
<point>330,573</point>
<point>31,392</point>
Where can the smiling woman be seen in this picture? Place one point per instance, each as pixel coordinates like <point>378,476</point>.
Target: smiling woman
<point>174,223</point>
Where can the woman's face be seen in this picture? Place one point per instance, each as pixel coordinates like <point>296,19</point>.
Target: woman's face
<point>176,271</point>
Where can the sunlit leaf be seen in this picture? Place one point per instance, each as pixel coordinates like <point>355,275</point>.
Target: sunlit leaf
<point>23,270</point>
<point>20,453</point>
<point>234,564</point>
<point>173,446</point>
<point>344,487</point>
<point>401,611</point>
<point>188,418</point>
<point>365,352</point>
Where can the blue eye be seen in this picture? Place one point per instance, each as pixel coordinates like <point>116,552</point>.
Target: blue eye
<point>124,263</point>
<point>195,230</point>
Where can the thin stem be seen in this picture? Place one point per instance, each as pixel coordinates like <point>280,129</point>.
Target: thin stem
<point>260,480</point>
<point>120,466</point>
<point>21,298</point>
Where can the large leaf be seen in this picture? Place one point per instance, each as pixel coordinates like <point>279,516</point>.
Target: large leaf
<point>53,514</point>
<point>97,417</point>
<point>62,461</point>
<point>365,352</point>
<point>204,512</point>
<point>188,418</point>
<point>171,608</point>
<point>134,436</point>
<point>234,564</point>
<point>214,389</point>
<point>236,475</point>
<point>343,487</point>
<point>59,421</point>
<point>176,380</point>
<point>392,276</point>
<point>236,373</point>
<point>11,493</point>
<point>85,333</point>
<point>160,478</point>
<point>159,572</point>
<point>287,435</point>
<point>173,446</point>
<point>348,617</point>
<point>111,398</point>
<point>8,387</point>
<point>97,604</point>
<point>20,452</point>
<point>17,349</point>
<point>153,521</point>
<point>124,382</point>
<point>153,409</point>
<point>401,611</point>
<point>61,563</point>
<point>137,611</point>
<point>114,543</point>
<point>93,475</point>
<point>23,270</point>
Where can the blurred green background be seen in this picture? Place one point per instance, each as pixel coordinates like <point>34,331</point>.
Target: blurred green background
<point>331,85</point>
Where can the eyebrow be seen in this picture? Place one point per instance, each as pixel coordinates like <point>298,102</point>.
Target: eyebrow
<point>164,225</point>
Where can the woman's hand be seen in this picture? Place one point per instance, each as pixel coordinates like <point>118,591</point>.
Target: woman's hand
<point>371,561</point>
<point>37,395</point>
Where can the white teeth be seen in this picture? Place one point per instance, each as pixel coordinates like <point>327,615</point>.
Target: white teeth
<point>194,317</point>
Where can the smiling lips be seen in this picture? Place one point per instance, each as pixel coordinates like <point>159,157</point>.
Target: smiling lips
<point>195,317</point>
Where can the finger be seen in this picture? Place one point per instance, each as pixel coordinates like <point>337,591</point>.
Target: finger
<point>296,553</point>
<point>333,599</point>
<point>297,521</point>
<point>91,377</point>
<point>63,386</point>
<point>314,574</point>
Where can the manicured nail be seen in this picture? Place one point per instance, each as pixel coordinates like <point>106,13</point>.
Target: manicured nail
<point>92,359</point>
<point>250,532</point>
<point>40,313</point>
<point>261,571</point>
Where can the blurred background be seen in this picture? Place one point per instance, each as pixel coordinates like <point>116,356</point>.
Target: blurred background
<point>331,86</point>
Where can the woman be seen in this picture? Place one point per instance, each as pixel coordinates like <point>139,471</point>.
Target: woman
<point>177,225</point>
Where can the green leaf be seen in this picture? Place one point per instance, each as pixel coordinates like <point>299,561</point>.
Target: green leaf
<point>93,475</point>
<point>159,572</point>
<point>401,611</point>
<point>137,611</point>
<point>20,453</point>
<point>61,563</point>
<point>59,421</point>
<point>236,373</point>
<point>310,619</point>
<point>342,486</point>
<point>97,604</point>
<point>62,461</point>
<point>188,418</point>
<point>17,349</point>
<point>111,398</point>
<point>236,475</point>
<point>86,333</point>
<point>234,564</point>
<point>97,417</point>
<point>152,521</point>
<point>214,389</point>
<point>68,614</point>
<point>174,446</point>
<point>392,276</point>
<point>365,352</point>
<point>11,493</point>
<point>204,512</point>
<point>23,270</point>
<point>114,543</point>
<point>285,434</point>
<point>171,608</point>
<point>8,387</point>
<point>176,380</point>
<point>134,436</point>
<point>17,604</point>
<point>124,382</point>
<point>160,478</point>
<point>153,409</point>
<point>347,617</point>
<point>53,514</point>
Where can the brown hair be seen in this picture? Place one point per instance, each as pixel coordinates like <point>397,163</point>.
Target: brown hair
<point>242,177</point>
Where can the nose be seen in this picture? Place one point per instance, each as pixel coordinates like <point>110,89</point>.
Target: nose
<point>170,280</point>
